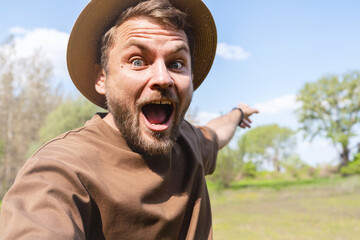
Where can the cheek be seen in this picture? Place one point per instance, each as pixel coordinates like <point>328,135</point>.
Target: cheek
<point>187,85</point>
<point>186,90</point>
<point>115,91</point>
<point>126,85</point>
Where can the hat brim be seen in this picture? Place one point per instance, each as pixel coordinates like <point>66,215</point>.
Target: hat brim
<point>99,16</point>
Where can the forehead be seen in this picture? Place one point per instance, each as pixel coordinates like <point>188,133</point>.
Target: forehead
<point>148,28</point>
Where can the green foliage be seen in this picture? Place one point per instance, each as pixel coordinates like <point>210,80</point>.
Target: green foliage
<point>352,168</point>
<point>331,108</point>
<point>249,170</point>
<point>227,166</point>
<point>282,183</point>
<point>297,168</point>
<point>68,115</point>
<point>327,170</point>
<point>270,143</point>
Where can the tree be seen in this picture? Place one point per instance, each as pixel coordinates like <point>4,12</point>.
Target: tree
<point>330,108</point>
<point>249,170</point>
<point>297,168</point>
<point>26,96</point>
<point>2,145</point>
<point>352,168</point>
<point>67,116</point>
<point>228,166</point>
<point>269,143</point>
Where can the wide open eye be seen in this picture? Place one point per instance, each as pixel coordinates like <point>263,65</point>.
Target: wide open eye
<point>176,65</point>
<point>137,63</point>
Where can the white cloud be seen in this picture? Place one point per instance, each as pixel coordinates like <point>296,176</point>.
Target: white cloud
<point>17,30</point>
<point>318,151</point>
<point>205,117</point>
<point>277,105</point>
<point>231,52</point>
<point>52,43</point>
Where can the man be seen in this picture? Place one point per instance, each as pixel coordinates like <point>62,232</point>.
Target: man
<point>138,171</point>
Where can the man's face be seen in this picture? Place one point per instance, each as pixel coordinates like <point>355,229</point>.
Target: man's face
<point>148,84</point>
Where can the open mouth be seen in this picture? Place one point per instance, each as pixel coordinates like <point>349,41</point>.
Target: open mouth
<point>158,112</point>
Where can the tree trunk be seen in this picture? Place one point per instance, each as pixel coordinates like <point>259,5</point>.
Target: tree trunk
<point>344,156</point>
<point>8,151</point>
<point>276,164</point>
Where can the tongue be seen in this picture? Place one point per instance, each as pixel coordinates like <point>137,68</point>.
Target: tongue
<point>155,113</point>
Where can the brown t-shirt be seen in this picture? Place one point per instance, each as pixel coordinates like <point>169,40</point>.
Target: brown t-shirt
<point>88,184</point>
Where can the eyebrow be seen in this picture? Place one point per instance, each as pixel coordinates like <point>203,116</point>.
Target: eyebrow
<point>182,47</point>
<point>143,47</point>
<point>134,43</point>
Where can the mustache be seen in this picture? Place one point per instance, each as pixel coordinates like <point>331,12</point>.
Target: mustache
<point>160,95</point>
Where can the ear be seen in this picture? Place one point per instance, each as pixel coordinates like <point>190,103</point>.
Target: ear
<point>100,82</point>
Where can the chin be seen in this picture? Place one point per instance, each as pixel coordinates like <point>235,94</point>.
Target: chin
<point>157,143</point>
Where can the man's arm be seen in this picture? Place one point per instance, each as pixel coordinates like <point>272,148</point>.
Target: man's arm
<point>225,126</point>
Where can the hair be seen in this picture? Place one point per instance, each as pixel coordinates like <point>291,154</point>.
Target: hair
<point>161,11</point>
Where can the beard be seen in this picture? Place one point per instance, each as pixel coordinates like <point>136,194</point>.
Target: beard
<point>128,123</point>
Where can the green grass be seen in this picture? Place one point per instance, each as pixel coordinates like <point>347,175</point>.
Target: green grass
<point>320,209</point>
<point>276,183</point>
<point>289,210</point>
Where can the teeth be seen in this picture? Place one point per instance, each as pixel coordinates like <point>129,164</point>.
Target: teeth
<point>161,102</point>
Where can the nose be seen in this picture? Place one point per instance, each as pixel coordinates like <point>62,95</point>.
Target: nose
<point>161,77</point>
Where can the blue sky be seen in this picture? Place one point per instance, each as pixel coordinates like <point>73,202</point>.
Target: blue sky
<point>267,51</point>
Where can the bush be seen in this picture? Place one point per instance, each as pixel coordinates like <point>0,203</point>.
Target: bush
<point>327,170</point>
<point>227,167</point>
<point>352,168</point>
<point>295,168</point>
<point>249,170</point>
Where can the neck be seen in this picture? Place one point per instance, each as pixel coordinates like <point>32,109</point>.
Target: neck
<point>109,119</point>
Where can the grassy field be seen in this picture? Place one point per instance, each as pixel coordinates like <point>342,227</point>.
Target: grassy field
<point>326,209</point>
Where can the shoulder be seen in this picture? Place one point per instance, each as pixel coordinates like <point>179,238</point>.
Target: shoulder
<point>202,141</point>
<point>69,150</point>
<point>201,133</point>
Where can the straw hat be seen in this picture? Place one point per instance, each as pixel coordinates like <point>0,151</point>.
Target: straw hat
<point>100,15</point>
